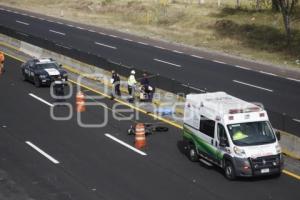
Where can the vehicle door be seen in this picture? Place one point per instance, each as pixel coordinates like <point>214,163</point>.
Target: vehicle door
<point>31,68</point>
<point>221,142</point>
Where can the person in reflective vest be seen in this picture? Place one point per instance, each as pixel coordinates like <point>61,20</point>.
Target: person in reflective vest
<point>131,83</point>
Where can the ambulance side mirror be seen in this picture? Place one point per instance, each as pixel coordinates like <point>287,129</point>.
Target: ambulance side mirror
<point>223,142</point>
<point>278,135</point>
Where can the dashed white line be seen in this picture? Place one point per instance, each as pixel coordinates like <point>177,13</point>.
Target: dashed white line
<point>169,63</point>
<point>125,144</point>
<point>195,56</point>
<point>23,34</point>
<point>40,18</point>
<point>41,100</point>
<point>159,47</point>
<point>268,73</point>
<point>57,32</point>
<point>143,43</point>
<point>105,45</point>
<point>175,51</point>
<point>59,22</point>
<point>251,85</point>
<point>102,33</point>
<point>21,22</point>
<point>42,152</point>
<point>188,86</point>
<point>297,120</point>
<point>65,47</point>
<point>92,31</point>
<point>293,79</point>
<point>70,25</point>
<point>241,67</point>
<point>129,40</point>
<point>220,62</point>
<point>80,28</point>
<point>114,36</point>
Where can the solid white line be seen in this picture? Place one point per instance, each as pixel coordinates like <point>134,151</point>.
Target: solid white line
<point>114,36</point>
<point>40,18</point>
<point>184,85</point>
<point>268,73</point>
<point>159,47</point>
<point>195,56</point>
<point>63,46</point>
<point>22,34</point>
<point>142,43</point>
<point>255,86</point>
<point>92,31</point>
<point>105,45</point>
<point>102,33</point>
<point>129,40</point>
<point>80,28</point>
<point>297,120</point>
<point>238,66</point>
<point>24,23</point>
<point>175,51</point>
<point>43,153</point>
<point>70,25</point>
<point>125,144</point>
<point>162,61</point>
<point>59,22</point>
<point>56,32</point>
<point>220,62</point>
<point>40,99</point>
<point>293,79</point>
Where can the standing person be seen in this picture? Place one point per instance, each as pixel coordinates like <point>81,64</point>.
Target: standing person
<point>131,85</point>
<point>115,80</point>
<point>2,59</point>
<point>145,80</point>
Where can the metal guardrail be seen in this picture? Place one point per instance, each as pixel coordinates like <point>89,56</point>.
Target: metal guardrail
<point>279,121</point>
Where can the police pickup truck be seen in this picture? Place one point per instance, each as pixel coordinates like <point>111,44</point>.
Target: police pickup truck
<point>42,71</point>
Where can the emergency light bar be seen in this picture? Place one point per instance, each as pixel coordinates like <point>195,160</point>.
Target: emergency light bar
<point>245,110</point>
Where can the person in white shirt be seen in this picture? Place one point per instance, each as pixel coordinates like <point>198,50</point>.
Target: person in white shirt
<point>131,83</point>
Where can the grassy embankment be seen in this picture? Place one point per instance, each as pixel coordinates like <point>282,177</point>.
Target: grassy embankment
<point>246,32</point>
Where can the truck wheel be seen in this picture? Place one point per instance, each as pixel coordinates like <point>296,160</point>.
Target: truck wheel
<point>229,171</point>
<point>192,153</point>
<point>37,82</point>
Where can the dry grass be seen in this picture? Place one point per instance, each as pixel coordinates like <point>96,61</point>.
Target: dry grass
<point>257,35</point>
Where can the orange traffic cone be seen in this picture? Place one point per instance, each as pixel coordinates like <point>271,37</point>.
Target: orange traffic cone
<point>140,137</point>
<point>80,102</point>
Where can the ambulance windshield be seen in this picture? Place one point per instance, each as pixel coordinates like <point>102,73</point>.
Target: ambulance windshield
<point>251,133</point>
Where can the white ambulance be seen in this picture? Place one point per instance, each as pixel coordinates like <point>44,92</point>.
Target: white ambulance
<point>231,133</point>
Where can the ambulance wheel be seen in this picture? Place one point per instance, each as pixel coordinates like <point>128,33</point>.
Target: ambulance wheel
<point>229,171</point>
<point>192,153</point>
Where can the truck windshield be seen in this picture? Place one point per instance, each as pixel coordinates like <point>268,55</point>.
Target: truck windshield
<point>251,133</point>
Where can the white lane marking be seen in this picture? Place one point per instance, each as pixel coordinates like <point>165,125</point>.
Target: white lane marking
<point>49,20</point>
<point>293,79</point>
<point>23,34</point>
<point>159,47</point>
<point>105,45</point>
<point>195,56</point>
<point>220,62</point>
<point>40,18</point>
<point>255,86</point>
<point>65,47</point>
<point>31,16</point>
<point>162,61</point>
<point>42,152</point>
<point>241,67</point>
<point>129,40</point>
<point>92,31</point>
<point>70,25</point>
<point>21,22</point>
<point>268,73</point>
<point>143,43</point>
<point>188,86</point>
<point>41,100</point>
<point>125,144</point>
<point>114,36</point>
<point>102,33</point>
<point>59,22</point>
<point>80,28</point>
<point>297,120</point>
<point>175,51</point>
<point>57,32</point>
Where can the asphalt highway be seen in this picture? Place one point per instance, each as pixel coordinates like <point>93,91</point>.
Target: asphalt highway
<point>55,159</point>
<point>281,95</point>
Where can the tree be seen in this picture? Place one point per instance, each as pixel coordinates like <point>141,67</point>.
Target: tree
<point>287,7</point>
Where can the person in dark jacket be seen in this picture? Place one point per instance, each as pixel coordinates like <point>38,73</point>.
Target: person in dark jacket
<point>59,89</point>
<point>115,80</point>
